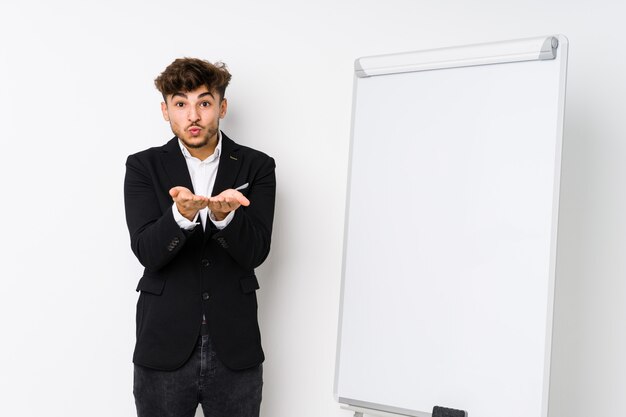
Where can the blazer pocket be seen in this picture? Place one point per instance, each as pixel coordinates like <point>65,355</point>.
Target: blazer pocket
<point>151,285</point>
<point>249,284</point>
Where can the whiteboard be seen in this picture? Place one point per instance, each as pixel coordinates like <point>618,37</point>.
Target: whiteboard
<point>450,231</point>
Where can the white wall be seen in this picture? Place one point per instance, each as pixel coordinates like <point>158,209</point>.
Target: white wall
<point>76,97</point>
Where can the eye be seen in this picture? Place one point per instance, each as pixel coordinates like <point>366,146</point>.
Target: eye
<point>205,104</point>
<point>179,104</point>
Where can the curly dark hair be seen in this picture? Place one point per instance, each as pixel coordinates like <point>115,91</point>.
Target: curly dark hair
<point>187,74</point>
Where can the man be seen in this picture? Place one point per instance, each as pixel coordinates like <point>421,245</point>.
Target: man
<point>199,210</point>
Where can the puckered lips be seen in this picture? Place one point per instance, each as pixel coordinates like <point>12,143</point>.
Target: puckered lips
<point>194,130</point>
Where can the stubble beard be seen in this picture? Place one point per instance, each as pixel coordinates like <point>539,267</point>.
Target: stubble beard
<point>205,140</point>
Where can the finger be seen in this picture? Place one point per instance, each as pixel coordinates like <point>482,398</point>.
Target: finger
<point>198,201</point>
<point>214,205</point>
<point>243,200</point>
<point>179,193</point>
<point>239,199</point>
<point>202,203</point>
<point>221,207</point>
<point>197,198</point>
<point>236,195</point>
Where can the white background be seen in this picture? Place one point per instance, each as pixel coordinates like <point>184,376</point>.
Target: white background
<point>76,97</point>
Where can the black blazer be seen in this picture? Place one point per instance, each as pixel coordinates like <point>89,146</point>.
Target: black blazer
<point>188,273</point>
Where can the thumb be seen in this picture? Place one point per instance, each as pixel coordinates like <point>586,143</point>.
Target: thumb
<point>174,191</point>
<point>243,201</point>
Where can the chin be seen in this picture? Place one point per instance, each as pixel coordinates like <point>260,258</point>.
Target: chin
<point>195,143</point>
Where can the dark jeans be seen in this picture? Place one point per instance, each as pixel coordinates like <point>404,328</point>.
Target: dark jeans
<point>203,379</point>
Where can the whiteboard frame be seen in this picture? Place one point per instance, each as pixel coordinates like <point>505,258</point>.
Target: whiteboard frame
<point>519,50</point>
<point>469,55</point>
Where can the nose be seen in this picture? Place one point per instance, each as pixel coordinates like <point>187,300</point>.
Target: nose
<point>193,115</point>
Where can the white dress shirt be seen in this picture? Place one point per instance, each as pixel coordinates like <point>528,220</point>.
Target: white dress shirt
<point>202,175</point>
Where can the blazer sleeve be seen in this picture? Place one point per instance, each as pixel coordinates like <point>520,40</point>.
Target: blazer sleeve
<point>155,237</point>
<point>247,237</point>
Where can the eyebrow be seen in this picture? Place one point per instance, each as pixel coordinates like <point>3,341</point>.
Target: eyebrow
<point>183,95</point>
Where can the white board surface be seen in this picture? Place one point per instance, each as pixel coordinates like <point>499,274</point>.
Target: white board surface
<point>450,239</point>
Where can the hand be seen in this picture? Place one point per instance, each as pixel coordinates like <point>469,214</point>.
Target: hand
<point>225,202</point>
<point>188,203</point>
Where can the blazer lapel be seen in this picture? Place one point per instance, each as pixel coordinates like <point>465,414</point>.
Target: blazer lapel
<point>175,165</point>
<point>230,162</point>
<point>176,168</point>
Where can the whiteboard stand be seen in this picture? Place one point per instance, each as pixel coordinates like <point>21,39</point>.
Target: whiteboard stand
<point>360,412</point>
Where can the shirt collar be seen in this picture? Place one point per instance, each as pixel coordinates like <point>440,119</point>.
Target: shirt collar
<point>216,153</point>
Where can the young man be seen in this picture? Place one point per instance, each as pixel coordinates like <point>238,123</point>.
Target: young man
<point>199,210</point>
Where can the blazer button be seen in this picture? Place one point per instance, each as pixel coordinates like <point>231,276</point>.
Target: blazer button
<point>205,296</point>
<point>205,262</point>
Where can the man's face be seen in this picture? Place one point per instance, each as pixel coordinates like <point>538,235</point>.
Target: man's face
<point>194,116</point>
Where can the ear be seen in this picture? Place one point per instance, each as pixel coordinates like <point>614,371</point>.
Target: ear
<point>223,108</point>
<point>166,115</point>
